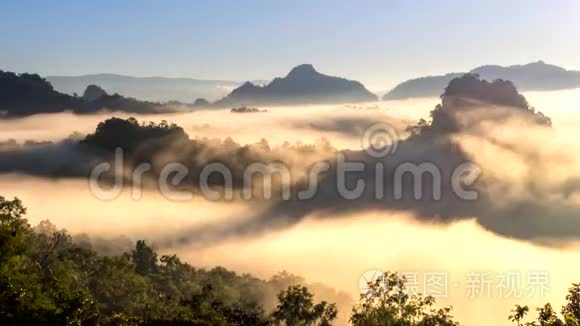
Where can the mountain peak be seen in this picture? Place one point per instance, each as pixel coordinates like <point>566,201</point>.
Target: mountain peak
<point>93,93</point>
<point>303,70</point>
<point>533,76</point>
<point>302,85</point>
<point>247,85</point>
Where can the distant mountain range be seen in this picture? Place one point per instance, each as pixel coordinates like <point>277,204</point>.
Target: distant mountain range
<point>28,94</point>
<point>25,94</point>
<point>303,85</point>
<point>533,76</point>
<point>157,89</point>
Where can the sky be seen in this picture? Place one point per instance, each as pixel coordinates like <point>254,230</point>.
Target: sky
<point>379,43</point>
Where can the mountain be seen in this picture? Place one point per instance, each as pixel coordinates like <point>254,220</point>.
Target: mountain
<point>533,76</point>
<point>93,93</point>
<point>421,87</point>
<point>303,85</point>
<point>493,101</point>
<point>96,99</point>
<point>27,94</point>
<point>157,89</point>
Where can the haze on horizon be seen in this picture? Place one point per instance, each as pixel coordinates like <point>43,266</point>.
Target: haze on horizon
<point>376,42</point>
<point>524,141</point>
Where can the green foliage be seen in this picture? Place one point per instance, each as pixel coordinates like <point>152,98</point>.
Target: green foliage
<point>547,316</point>
<point>518,313</point>
<point>388,303</point>
<point>296,308</point>
<point>129,134</point>
<point>46,279</point>
<point>14,231</point>
<point>144,258</point>
<point>572,308</point>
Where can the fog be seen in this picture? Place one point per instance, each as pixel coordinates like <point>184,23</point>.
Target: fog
<point>278,125</point>
<point>335,252</point>
<point>534,165</point>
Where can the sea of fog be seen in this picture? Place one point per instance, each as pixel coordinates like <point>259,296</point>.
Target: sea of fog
<point>333,251</point>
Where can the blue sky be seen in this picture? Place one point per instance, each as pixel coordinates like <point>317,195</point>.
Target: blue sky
<point>377,42</point>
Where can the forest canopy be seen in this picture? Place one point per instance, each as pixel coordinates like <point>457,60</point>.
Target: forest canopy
<point>46,278</point>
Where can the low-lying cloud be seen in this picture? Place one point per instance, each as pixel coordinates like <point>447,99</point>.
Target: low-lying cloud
<point>528,192</point>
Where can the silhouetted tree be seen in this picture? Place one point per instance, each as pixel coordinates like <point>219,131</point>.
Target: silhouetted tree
<point>572,307</point>
<point>296,308</point>
<point>45,279</point>
<point>547,315</point>
<point>144,258</point>
<point>518,314</point>
<point>388,303</point>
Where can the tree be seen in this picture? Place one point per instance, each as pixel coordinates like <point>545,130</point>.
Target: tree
<point>547,316</point>
<point>47,279</point>
<point>518,313</point>
<point>388,303</point>
<point>283,280</point>
<point>572,307</point>
<point>500,92</point>
<point>144,258</point>
<point>38,283</point>
<point>295,308</point>
<point>15,232</point>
